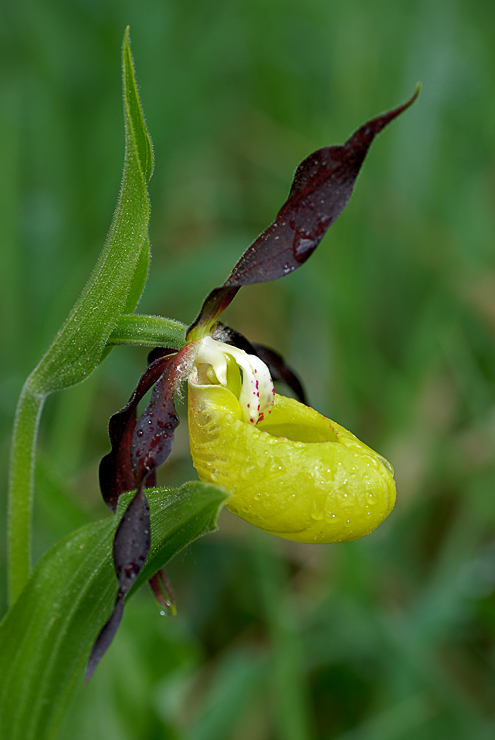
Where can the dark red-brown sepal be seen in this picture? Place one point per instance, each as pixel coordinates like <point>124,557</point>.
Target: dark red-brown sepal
<point>153,436</point>
<point>131,546</point>
<point>321,189</point>
<point>162,591</point>
<point>138,448</point>
<point>105,637</point>
<point>116,473</point>
<point>322,186</point>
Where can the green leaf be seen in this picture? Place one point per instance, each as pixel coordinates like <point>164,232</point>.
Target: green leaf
<point>120,273</point>
<point>46,637</point>
<point>139,278</point>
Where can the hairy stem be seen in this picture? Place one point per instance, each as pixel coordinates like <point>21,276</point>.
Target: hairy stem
<point>151,331</point>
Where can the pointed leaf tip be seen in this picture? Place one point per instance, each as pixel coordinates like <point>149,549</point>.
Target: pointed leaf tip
<point>118,278</point>
<point>134,118</point>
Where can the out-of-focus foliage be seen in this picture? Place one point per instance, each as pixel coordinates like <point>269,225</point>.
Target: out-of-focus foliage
<point>391,323</point>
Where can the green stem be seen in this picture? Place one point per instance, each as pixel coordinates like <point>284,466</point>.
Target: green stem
<point>130,329</point>
<point>21,487</point>
<point>151,331</point>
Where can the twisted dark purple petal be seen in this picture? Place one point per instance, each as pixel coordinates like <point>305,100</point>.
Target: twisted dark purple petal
<point>116,472</point>
<point>153,435</point>
<point>105,637</point>
<point>132,541</point>
<point>131,546</point>
<point>322,186</point>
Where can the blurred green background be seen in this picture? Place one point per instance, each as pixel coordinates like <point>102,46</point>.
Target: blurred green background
<point>391,324</point>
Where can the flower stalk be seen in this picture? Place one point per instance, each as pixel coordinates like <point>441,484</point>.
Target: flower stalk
<point>148,331</point>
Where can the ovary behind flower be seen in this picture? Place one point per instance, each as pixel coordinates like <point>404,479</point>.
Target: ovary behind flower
<point>295,473</point>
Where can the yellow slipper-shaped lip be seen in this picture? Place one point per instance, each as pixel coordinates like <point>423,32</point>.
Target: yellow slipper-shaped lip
<point>295,474</point>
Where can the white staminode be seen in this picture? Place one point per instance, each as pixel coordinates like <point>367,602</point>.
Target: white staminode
<point>257,392</point>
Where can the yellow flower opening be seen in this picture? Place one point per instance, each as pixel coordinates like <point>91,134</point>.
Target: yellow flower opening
<point>293,473</point>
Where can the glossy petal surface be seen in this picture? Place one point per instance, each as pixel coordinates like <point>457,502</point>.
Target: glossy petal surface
<point>297,474</point>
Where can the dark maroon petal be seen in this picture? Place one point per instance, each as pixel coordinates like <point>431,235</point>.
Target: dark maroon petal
<point>321,189</point>
<point>159,352</point>
<point>132,541</point>
<point>105,637</point>
<point>279,370</point>
<point>162,591</point>
<point>116,473</point>
<point>153,435</point>
<point>322,186</point>
<point>131,546</point>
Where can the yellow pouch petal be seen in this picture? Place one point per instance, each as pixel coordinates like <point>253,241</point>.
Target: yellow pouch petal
<point>296,474</point>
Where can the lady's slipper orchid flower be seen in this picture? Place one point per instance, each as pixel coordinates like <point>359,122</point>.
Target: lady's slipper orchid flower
<point>290,471</point>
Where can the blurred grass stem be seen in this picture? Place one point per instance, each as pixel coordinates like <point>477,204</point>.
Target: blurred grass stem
<point>290,693</point>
